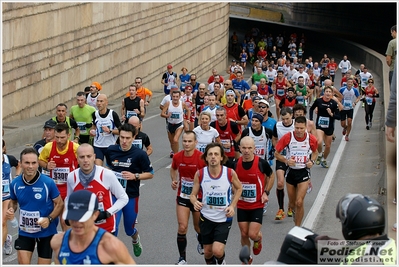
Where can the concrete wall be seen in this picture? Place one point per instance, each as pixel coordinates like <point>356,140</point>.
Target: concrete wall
<point>53,50</point>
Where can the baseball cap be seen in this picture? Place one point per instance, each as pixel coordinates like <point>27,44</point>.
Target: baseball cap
<point>97,85</point>
<point>230,92</point>
<point>173,87</point>
<point>233,60</point>
<point>80,206</point>
<point>301,66</point>
<point>50,124</point>
<point>253,93</point>
<point>169,66</point>
<point>257,116</point>
<point>264,102</point>
<point>256,98</point>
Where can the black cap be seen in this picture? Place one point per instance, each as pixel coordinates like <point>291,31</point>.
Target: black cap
<point>233,60</point>
<point>50,124</point>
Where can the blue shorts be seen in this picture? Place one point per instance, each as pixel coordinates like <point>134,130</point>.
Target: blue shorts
<point>100,151</point>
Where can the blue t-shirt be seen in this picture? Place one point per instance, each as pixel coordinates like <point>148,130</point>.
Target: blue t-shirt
<point>35,201</point>
<point>184,79</point>
<point>135,160</point>
<point>242,86</point>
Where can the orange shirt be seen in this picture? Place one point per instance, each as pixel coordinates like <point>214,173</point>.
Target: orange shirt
<point>247,105</point>
<point>142,92</point>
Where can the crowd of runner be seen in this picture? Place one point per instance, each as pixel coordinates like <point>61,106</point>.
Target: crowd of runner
<point>231,137</point>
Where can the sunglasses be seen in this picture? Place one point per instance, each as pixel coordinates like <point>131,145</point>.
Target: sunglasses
<point>262,106</point>
<point>371,82</point>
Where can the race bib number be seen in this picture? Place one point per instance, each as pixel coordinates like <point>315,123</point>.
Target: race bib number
<point>369,100</point>
<point>186,188</point>
<point>6,188</point>
<point>201,147</point>
<point>271,79</point>
<point>28,221</point>
<point>138,143</point>
<point>332,72</point>
<point>175,115</point>
<point>100,128</point>
<point>225,142</point>
<point>82,127</point>
<point>60,175</point>
<point>215,202</point>
<point>301,99</point>
<point>131,113</point>
<point>280,92</point>
<point>324,122</point>
<point>259,151</point>
<point>347,103</point>
<point>122,181</point>
<point>300,158</point>
<point>248,193</point>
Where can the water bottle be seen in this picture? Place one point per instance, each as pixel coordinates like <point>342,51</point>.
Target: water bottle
<point>14,222</point>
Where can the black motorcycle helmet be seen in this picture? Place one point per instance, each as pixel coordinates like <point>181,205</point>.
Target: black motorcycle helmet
<point>360,215</point>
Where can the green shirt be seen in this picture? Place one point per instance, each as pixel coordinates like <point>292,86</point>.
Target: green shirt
<point>256,77</point>
<point>391,51</point>
<point>82,116</point>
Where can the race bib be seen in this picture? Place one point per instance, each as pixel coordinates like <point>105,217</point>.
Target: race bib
<point>186,188</point>
<point>216,202</point>
<point>60,175</point>
<point>280,92</point>
<point>347,103</point>
<point>248,193</point>
<point>122,181</point>
<point>369,100</point>
<point>131,113</point>
<point>201,147</point>
<point>300,158</point>
<point>259,151</point>
<point>324,122</point>
<point>100,129</point>
<point>301,99</point>
<point>138,143</point>
<point>6,188</point>
<point>82,127</point>
<point>224,142</point>
<point>28,221</point>
<point>175,115</point>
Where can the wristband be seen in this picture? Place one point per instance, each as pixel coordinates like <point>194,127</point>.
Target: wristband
<point>267,192</point>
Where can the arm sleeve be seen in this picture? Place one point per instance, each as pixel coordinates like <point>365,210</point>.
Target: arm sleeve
<point>275,131</point>
<point>311,110</point>
<point>74,125</point>
<point>147,141</point>
<point>391,112</point>
<point>266,169</point>
<point>116,119</point>
<point>234,127</point>
<point>337,114</point>
<point>241,111</point>
<point>117,190</point>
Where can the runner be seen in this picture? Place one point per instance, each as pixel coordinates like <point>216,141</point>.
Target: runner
<point>173,112</point>
<point>205,133</point>
<point>131,165</point>
<point>254,174</point>
<point>280,84</point>
<point>327,112</point>
<point>216,212</point>
<point>40,204</point>
<point>301,153</point>
<point>59,158</point>
<point>184,166</point>
<point>351,97</point>
<point>82,114</point>
<point>100,181</point>
<point>8,161</point>
<point>371,93</point>
<point>105,128</point>
<point>229,133</point>
<point>280,129</point>
<point>85,243</point>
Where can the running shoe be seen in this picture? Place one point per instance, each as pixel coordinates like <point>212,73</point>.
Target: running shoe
<point>289,212</point>
<point>249,261</point>
<point>181,261</point>
<point>318,160</point>
<point>265,207</point>
<point>368,127</point>
<point>200,247</point>
<point>280,215</point>
<point>137,221</point>
<point>8,245</point>
<point>310,187</point>
<point>171,154</point>
<point>346,138</point>
<point>394,227</point>
<point>343,131</point>
<point>137,247</point>
<point>257,248</point>
<point>324,164</point>
<point>333,137</point>
<point>371,124</point>
<point>363,105</point>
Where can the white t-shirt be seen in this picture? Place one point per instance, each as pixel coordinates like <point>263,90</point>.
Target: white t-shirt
<point>205,137</point>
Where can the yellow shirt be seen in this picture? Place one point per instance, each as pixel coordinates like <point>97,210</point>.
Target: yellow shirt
<point>45,154</point>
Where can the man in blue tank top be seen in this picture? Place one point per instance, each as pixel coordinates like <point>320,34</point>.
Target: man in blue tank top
<point>85,243</point>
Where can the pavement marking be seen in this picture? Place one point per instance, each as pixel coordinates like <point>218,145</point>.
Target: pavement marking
<point>10,258</point>
<point>318,203</point>
<point>153,116</point>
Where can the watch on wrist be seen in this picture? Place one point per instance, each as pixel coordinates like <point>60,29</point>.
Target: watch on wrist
<point>137,175</point>
<point>312,161</point>
<point>267,192</point>
<point>50,219</point>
